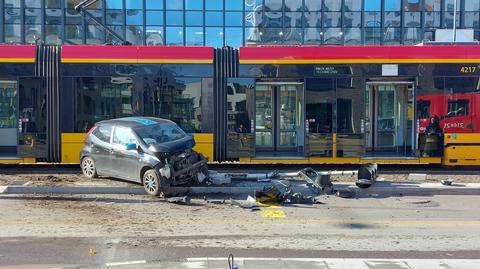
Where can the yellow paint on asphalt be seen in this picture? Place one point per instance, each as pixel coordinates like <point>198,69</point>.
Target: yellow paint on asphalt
<point>273,214</point>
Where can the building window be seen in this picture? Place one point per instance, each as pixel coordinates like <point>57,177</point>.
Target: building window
<point>411,5</point>
<point>392,5</point>
<point>234,37</point>
<point>154,4</point>
<point>12,15</point>
<point>353,5</point>
<point>313,5</point>
<point>33,33</point>
<point>235,18</point>
<point>332,5</point>
<point>332,19</point>
<point>174,5</point>
<point>175,18</point>
<point>154,17</point>
<point>134,17</point>
<point>213,18</point>
<point>373,5</point>
<point>293,36</point>
<point>53,34</point>
<point>134,34</point>
<point>392,19</point>
<point>432,19</point>
<point>134,4</point>
<point>238,5</point>
<point>412,19</point>
<point>273,5</point>
<point>432,5</point>
<point>73,34</point>
<point>113,4</point>
<point>333,36</point>
<point>372,19</point>
<point>95,35</point>
<point>215,4</point>
<point>194,18</point>
<point>12,3</point>
<point>412,36</point>
<point>352,19</point>
<point>393,36</point>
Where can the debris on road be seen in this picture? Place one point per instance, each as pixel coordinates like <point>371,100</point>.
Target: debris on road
<point>182,200</point>
<point>345,193</point>
<point>446,182</point>
<point>215,178</point>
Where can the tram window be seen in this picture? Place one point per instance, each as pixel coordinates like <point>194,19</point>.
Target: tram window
<point>103,133</point>
<point>423,108</point>
<point>461,84</point>
<point>457,108</point>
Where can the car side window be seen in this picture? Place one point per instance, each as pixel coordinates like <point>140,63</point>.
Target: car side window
<point>123,136</point>
<point>103,132</point>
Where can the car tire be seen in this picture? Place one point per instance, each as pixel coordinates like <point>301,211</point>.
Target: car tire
<point>88,167</point>
<point>153,183</point>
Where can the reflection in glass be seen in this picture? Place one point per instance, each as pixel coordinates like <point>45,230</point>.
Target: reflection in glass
<point>113,4</point>
<point>174,36</point>
<point>134,4</point>
<point>12,33</point>
<point>448,19</point>
<point>273,19</point>
<point>113,40</point>
<point>194,18</point>
<point>154,17</point>
<point>372,5</point>
<point>313,35</point>
<point>352,19</point>
<point>73,34</point>
<point>332,19</point>
<point>273,5</point>
<point>33,33</point>
<point>353,36</point>
<point>174,5</point>
<point>234,5</point>
<point>293,36</point>
<point>392,5</point>
<point>412,35</point>
<point>213,18</point>
<point>392,19</point>
<point>393,36</point>
<point>215,4</point>
<point>174,17</point>
<point>154,4</point>
<point>194,36</point>
<point>214,36</point>
<point>333,36</point>
<point>12,3</point>
<point>372,36</point>
<point>292,19</point>
<point>271,36</point>
<point>313,5</point>
<point>154,36</point>
<point>332,5</point>
<point>53,16</point>
<point>293,5</point>
<point>134,34</point>
<point>12,15</point>
<point>54,4</point>
<point>114,17</point>
<point>234,37</point>
<point>432,19</point>
<point>449,5</point>
<point>432,5</point>
<point>411,5</point>
<point>53,34</point>
<point>471,19</point>
<point>313,19</point>
<point>33,16</point>
<point>233,18</point>
<point>472,6</point>
<point>263,116</point>
<point>72,17</point>
<point>95,34</point>
<point>240,117</point>
<point>412,19</point>
<point>134,17</point>
<point>353,5</point>
<point>194,4</point>
<point>372,19</point>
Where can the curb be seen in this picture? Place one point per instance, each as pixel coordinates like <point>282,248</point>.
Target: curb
<point>392,189</point>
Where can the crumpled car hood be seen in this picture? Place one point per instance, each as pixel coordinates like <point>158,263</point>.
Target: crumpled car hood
<point>174,146</point>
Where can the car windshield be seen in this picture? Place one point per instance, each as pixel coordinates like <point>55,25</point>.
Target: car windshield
<point>159,133</point>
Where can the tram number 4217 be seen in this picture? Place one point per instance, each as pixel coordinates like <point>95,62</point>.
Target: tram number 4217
<point>468,69</point>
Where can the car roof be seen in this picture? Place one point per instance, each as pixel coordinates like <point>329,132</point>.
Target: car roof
<point>134,121</point>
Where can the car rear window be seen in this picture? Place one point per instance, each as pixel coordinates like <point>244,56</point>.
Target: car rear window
<point>103,132</point>
<point>160,133</point>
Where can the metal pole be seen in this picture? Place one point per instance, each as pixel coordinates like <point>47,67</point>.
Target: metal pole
<point>454,20</point>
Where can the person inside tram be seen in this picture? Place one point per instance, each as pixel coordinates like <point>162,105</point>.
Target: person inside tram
<point>433,139</point>
<point>241,129</point>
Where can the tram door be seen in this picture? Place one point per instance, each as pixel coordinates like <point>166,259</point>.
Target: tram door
<point>389,119</point>
<point>8,118</point>
<point>279,120</point>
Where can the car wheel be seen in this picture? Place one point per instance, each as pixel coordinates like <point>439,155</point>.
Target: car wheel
<point>153,183</point>
<point>88,167</point>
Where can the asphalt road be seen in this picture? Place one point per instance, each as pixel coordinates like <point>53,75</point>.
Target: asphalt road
<point>52,231</point>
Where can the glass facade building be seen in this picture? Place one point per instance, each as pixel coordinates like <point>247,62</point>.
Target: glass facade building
<point>236,22</point>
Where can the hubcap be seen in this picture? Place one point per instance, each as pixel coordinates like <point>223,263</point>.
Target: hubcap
<point>150,183</point>
<point>88,167</point>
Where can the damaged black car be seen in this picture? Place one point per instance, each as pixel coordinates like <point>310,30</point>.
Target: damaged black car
<point>154,152</point>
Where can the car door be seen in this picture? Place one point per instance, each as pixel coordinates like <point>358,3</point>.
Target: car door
<point>101,148</point>
<point>124,162</point>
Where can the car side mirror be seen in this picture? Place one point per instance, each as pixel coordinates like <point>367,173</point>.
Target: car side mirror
<point>131,146</point>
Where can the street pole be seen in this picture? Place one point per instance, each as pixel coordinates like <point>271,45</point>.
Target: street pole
<point>454,20</point>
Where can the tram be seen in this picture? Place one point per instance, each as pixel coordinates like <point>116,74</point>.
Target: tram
<point>274,104</point>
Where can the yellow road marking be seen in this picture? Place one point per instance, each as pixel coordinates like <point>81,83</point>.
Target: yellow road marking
<point>273,214</point>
